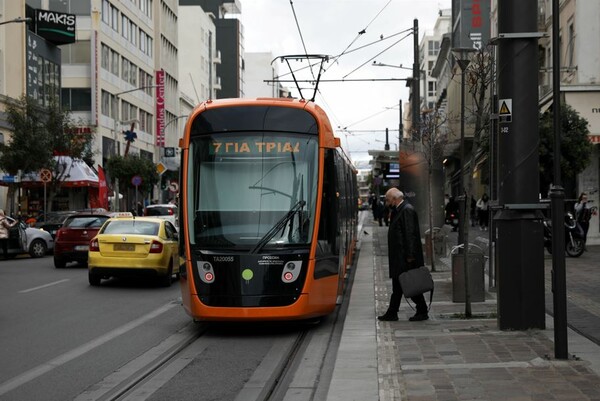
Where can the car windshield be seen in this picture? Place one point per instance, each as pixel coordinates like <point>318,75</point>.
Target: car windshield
<point>85,221</point>
<point>131,227</point>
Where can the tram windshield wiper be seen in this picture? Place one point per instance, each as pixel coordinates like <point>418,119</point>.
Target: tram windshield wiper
<point>278,226</point>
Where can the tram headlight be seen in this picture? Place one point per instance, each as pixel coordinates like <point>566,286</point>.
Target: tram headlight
<point>291,271</point>
<point>206,272</point>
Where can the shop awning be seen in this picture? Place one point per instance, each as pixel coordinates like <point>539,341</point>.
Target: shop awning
<point>73,172</point>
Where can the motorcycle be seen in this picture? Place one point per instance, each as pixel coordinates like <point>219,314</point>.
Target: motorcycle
<point>574,244</point>
<point>452,219</point>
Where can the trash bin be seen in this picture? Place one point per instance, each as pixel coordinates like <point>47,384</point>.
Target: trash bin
<point>476,274</point>
<point>439,244</point>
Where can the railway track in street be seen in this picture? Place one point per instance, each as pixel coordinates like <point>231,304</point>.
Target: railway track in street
<point>287,358</point>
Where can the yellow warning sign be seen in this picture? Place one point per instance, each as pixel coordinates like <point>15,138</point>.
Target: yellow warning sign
<point>505,107</point>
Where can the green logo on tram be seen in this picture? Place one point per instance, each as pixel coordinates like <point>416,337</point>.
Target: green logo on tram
<point>247,274</point>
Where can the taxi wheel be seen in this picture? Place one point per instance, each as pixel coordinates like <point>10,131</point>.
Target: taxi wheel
<point>94,279</point>
<point>166,281</point>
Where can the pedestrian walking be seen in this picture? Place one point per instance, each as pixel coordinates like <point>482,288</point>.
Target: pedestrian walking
<point>583,214</point>
<point>5,226</point>
<point>405,252</point>
<point>374,205</point>
<point>483,212</point>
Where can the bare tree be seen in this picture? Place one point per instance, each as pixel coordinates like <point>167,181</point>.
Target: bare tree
<point>478,79</point>
<point>434,137</point>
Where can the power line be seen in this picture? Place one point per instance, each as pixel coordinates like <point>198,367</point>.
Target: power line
<point>301,37</point>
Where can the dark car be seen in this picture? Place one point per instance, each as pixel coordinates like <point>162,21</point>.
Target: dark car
<point>73,238</point>
<point>52,221</point>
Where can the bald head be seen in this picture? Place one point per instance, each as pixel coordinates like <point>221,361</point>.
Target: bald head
<point>394,196</point>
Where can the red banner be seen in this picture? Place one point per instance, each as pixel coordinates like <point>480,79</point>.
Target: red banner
<point>160,108</point>
<point>102,189</point>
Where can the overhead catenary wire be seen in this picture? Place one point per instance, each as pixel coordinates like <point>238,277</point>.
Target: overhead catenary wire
<point>361,32</point>
<point>301,37</point>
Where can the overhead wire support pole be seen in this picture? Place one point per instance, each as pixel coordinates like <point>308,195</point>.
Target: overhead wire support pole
<point>557,204</point>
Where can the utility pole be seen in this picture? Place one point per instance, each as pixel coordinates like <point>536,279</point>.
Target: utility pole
<point>557,198</point>
<point>521,301</point>
<point>416,99</point>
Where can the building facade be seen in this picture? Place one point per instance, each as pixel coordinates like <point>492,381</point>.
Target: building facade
<point>579,30</point>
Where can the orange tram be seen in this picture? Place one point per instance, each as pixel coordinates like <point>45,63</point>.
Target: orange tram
<point>268,211</point>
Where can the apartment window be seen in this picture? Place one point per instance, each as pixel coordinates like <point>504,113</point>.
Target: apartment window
<point>106,12</point>
<point>114,62</point>
<point>70,6</point>
<point>109,104</point>
<point>133,74</point>
<point>76,53</point>
<point>133,33</point>
<point>146,122</point>
<point>125,26</point>
<point>571,45</point>
<point>124,69</point>
<point>431,85</point>
<point>77,99</point>
<point>433,47</point>
<point>105,57</point>
<point>114,19</point>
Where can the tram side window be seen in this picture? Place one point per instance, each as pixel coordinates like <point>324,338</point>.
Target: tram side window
<point>328,222</point>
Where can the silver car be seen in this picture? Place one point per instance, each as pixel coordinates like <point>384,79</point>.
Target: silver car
<point>23,239</point>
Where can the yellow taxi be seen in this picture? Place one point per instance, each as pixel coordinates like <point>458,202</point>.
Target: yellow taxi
<point>134,246</point>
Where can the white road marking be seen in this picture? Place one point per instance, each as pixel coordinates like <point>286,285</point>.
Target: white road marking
<point>77,352</point>
<point>44,286</point>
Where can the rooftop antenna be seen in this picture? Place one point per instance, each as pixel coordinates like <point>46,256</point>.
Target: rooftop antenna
<point>309,57</point>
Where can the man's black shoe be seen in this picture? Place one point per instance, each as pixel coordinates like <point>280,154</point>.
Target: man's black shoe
<point>418,317</point>
<point>388,317</point>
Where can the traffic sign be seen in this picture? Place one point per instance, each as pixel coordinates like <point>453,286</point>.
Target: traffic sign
<point>174,186</point>
<point>161,168</point>
<point>505,110</point>
<point>136,180</point>
<point>45,175</point>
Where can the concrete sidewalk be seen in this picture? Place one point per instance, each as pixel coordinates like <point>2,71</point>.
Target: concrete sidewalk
<point>448,357</point>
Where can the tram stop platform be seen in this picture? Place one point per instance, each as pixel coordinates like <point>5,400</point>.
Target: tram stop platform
<point>449,357</point>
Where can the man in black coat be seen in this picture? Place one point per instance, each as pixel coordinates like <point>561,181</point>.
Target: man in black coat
<point>405,252</point>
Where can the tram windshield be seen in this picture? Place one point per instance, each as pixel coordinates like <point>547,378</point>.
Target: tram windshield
<point>252,191</point>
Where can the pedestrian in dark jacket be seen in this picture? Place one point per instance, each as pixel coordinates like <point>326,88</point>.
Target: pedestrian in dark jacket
<point>405,252</point>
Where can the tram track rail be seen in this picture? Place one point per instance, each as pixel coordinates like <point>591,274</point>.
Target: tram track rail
<point>125,380</point>
<point>300,359</point>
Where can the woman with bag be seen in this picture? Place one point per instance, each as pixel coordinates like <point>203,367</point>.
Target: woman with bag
<point>5,226</point>
<point>405,252</point>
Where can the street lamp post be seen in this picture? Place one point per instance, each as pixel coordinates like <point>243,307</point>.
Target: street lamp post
<point>117,95</point>
<point>16,20</point>
<point>461,56</point>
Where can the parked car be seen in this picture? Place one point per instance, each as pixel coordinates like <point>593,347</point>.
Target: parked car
<point>52,221</point>
<point>23,239</point>
<point>73,238</point>
<point>134,246</point>
<point>165,211</point>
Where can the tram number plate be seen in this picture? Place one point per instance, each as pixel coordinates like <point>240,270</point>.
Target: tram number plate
<point>124,247</point>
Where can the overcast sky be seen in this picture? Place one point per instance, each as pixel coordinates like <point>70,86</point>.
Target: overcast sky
<point>331,27</point>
